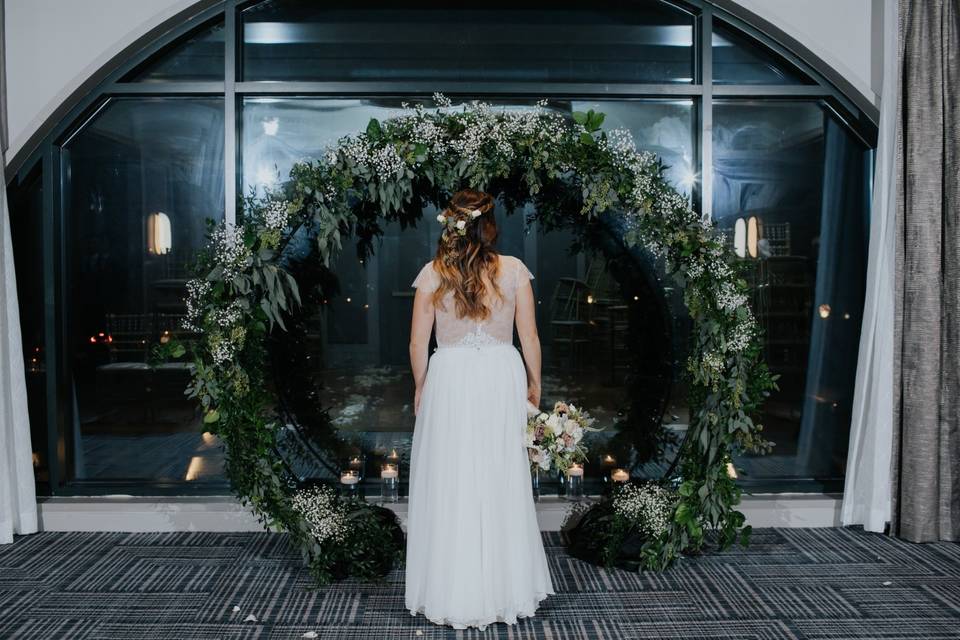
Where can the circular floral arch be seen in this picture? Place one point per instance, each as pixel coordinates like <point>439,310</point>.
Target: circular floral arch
<point>574,173</point>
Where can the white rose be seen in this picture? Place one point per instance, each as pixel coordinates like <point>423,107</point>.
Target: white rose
<point>577,433</point>
<point>441,218</point>
<point>569,426</point>
<point>461,225</point>
<point>475,213</point>
<point>554,423</point>
<point>542,417</point>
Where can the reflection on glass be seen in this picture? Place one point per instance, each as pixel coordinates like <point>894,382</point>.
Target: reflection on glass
<point>195,58</point>
<point>612,335</point>
<point>789,191</point>
<point>141,178</point>
<point>739,59</point>
<point>26,228</point>
<point>605,42</point>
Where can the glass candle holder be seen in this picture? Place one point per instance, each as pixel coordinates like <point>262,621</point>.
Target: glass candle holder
<point>535,481</point>
<point>619,476</point>
<point>356,464</point>
<point>389,483</point>
<point>607,464</point>
<point>350,483</point>
<point>575,482</point>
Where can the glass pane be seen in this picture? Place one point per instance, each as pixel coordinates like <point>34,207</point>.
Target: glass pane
<point>26,228</point>
<point>739,59</point>
<point>790,189</point>
<point>195,58</point>
<point>141,179</point>
<point>605,42</point>
<point>634,331</point>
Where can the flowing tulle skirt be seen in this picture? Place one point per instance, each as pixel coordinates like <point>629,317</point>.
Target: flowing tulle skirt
<point>474,551</point>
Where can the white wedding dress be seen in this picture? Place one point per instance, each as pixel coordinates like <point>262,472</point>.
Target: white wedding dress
<point>474,551</point>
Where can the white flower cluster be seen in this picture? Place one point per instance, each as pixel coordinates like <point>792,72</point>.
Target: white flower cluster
<point>713,361</point>
<point>648,507</point>
<point>229,315</point>
<point>197,289</point>
<point>323,512</point>
<point>229,250</point>
<point>222,352</point>
<point>384,161</point>
<point>742,333</point>
<point>728,298</point>
<point>694,270</point>
<point>277,215</point>
<point>441,100</point>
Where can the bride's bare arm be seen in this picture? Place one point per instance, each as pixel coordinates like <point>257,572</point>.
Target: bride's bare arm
<point>420,328</point>
<point>529,339</point>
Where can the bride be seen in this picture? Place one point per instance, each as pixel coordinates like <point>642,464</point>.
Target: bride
<point>474,551</point>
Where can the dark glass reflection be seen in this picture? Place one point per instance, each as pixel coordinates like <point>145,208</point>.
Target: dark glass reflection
<point>26,228</point>
<point>739,59</point>
<point>790,192</point>
<point>612,336</point>
<point>141,178</point>
<point>194,58</point>
<point>602,42</point>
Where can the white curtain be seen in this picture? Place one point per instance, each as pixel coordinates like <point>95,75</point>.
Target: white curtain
<point>867,492</point>
<point>18,503</point>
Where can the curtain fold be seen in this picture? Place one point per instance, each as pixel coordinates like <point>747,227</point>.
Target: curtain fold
<point>18,504</point>
<point>926,442</point>
<point>866,496</point>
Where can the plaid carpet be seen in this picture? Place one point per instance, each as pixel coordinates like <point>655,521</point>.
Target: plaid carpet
<point>791,583</point>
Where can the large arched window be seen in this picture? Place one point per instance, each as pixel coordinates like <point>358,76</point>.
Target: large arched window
<point>110,202</point>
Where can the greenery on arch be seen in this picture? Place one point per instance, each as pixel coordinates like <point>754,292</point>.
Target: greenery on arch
<point>575,173</point>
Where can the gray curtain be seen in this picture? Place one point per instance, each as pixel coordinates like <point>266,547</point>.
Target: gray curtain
<point>18,504</point>
<point>926,456</point>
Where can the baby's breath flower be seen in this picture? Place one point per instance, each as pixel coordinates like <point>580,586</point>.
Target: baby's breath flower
<point>648,507</point>
<point>323,512</point>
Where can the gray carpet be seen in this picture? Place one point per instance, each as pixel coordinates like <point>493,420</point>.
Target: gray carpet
<point>791,583</point>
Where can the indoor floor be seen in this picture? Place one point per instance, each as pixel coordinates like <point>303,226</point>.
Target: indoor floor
<point>827,584</point>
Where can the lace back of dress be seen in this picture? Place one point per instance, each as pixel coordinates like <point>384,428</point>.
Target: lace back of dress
<point>497,327</point>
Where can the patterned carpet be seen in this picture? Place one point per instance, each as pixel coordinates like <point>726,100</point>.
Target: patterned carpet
<point>791,583</point>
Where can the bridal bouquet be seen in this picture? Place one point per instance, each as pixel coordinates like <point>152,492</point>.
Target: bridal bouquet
<point>553,439</point>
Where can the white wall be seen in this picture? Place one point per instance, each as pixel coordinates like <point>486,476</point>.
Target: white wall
<point>53,45</point>
<point>843,33</point>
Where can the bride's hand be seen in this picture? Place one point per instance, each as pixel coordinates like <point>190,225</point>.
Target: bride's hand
<point>533,394</point>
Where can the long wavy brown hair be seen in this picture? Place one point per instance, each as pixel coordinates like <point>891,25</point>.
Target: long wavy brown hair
<point>463,260</point>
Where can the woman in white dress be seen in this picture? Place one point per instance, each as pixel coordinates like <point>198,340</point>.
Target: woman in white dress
<point>474,551</point>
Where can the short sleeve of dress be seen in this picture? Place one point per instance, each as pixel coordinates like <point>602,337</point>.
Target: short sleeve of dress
<point>522,272</point>
<point>426,280</point>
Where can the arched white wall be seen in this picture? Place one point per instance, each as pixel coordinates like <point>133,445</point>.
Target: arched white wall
<point>846,34</point>
<point>53,45</point>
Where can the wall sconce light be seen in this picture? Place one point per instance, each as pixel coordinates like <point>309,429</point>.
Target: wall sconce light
<point>740,238</point>
<point>824,311</point>
<point>753,235</point>
<point>159,234</point>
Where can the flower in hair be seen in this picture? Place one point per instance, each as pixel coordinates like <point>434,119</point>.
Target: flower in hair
<point>475,213</point>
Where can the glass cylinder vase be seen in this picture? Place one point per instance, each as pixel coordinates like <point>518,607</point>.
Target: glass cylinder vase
<point>535,480</point>
<point>389,483</point>
<point>575,482</point>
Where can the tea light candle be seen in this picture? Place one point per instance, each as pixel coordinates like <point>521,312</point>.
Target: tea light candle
<point>349,477</point>
<point>394,456</point>
<point>389,471</point>
<point>619,475</point>
<point>355,463</point>
<point>575,470</point>
<point>609,460</point>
